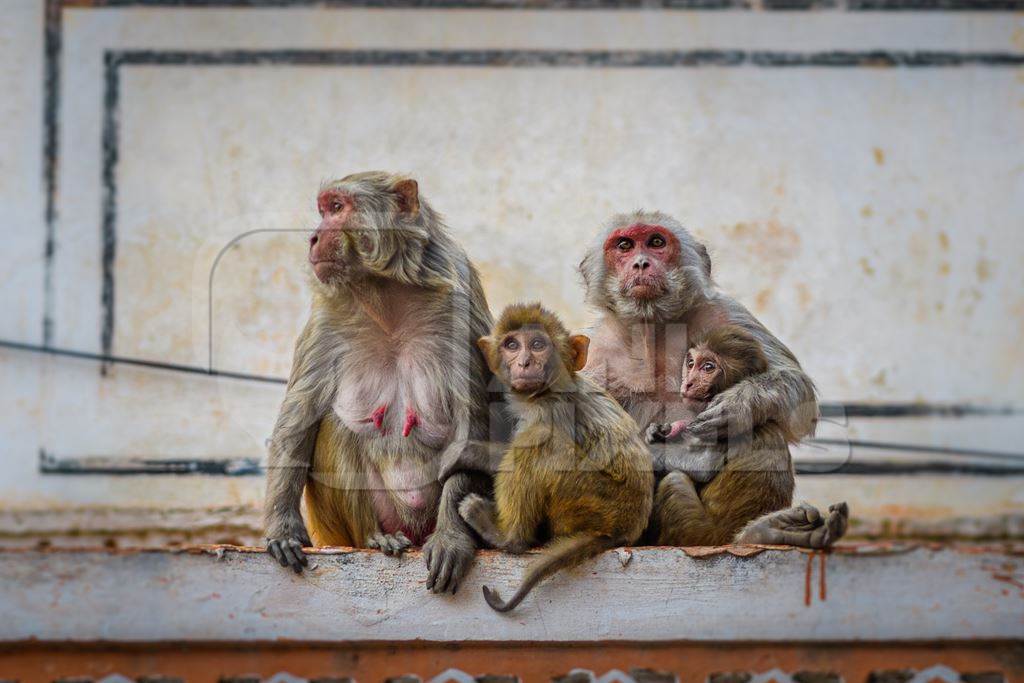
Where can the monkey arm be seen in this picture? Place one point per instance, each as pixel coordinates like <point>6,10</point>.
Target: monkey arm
<point>472,456</point>
<point>785,396</point>
<point>291,449</point>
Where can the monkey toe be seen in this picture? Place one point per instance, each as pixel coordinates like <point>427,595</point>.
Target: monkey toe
<point>837,522</point>
<point>288,553</point>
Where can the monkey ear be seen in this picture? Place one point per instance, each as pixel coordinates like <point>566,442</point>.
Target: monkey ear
<point>579,344</point>
<point>408,196</point>
<point>705,258</point>
<point>486,346</point>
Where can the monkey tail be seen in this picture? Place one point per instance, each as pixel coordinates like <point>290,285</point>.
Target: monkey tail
<point>561,553</point>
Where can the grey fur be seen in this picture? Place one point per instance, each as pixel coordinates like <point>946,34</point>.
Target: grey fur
<point>783,395</point>
<point>386,248</point>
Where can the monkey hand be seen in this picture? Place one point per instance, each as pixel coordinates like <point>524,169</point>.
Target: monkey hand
<point>448,554</point>
<point>657,433</point>
<point>730,413</point>
<point>285,545</point>
<point>389,544</point>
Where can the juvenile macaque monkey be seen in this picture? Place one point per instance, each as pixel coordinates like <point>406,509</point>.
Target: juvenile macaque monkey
<point>650,282</point>
<point>576,468</point>
<point>712,365</point>
<point>385,379</point>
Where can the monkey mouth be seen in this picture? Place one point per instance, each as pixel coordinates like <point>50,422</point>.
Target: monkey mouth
<point>527,383</point>
<point>644,288</point>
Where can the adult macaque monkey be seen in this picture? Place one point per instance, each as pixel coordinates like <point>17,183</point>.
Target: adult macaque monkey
<point>576,469</point>
<point>385,377</point>
<point>650,281</point>
<point>742,483</point>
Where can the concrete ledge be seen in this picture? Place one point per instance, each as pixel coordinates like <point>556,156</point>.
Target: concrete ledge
<point>865,592</point>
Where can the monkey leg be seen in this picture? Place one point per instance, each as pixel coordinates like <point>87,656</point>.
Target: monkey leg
<point>482,516</point>
<point>801,526</point>
<point>338,501</point>
<point>449,551</point>
<point>681,518</point>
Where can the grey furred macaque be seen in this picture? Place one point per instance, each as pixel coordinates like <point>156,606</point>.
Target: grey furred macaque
<point>650,282</point>
<point>386,380</point>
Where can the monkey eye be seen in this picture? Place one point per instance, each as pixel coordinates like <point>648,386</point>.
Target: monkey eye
<point>689,362</point>
<point>336,206</point>
<point>537,344</point>
<point>656,241</point>
<point>708,366</point>
<point>624,244</point>
<point>511,344</point>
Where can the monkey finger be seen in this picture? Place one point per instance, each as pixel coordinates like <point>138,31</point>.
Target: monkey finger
<point>296,548</point>
<point>445,576</point>
<point>289,556</point>
<point>461,567</point>
<point>275,552</point>
<point>402,540</point>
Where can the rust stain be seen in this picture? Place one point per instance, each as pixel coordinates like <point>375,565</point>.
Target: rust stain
<point>866,266</point>
<point>879,155</point>
<point>762,299</point>
<point>867,212</point>
<point>943,238</point>
<point>822,588</point>
<point>944,268</point>
<point>807,580</point>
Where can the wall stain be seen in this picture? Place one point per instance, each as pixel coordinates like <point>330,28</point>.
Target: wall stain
<point>983,268</point>
<point>943,241</point>
<point>866,266</point>
<point>866,211</point>
<point>879,155</point>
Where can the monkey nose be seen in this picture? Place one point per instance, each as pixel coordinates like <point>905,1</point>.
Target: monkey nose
<point>641,264</point>
<point>314,238</point>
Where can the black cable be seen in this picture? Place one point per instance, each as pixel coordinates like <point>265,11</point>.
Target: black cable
<point>123,360</point>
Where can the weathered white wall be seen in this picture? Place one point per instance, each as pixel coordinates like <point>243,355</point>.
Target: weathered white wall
<point>872,217</point>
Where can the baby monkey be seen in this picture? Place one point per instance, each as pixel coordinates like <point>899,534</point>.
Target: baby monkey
<point>725,356</point>
<point>576,472</point>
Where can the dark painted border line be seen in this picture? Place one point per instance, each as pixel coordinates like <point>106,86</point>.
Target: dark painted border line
<point>766,5</point>
<point>897,410</point>
<point>232,467</point>
<point>111,153</point>
<point>892,469</point>
<point>911,448</point>
<point>52,40</point>
<point>250,466</point>
<point>614,59</point>
<point>644,59</point>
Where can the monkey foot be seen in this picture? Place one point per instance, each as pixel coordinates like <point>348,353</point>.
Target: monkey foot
<point>377,418</point>
<point>411,420</point>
